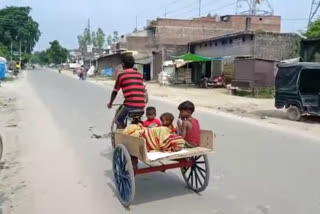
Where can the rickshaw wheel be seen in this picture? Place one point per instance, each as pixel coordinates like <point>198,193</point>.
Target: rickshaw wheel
<point>293,113</point>
<point>197,175</point>
<point>123,175</point>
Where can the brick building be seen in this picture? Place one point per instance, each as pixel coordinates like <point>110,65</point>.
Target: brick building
<point>181,32</point>
<point>164,38</point>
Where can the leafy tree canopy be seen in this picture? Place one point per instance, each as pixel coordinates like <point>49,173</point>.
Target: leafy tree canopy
<point>16,24</point>
<point>313,30</point>
<point>56,53</point>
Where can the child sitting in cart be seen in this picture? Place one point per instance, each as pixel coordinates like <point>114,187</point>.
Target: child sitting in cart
<point>167,121</point>
<point>188,126</point>
<point>151,121</point>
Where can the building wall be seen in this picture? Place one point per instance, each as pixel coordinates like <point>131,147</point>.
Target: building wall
<point>238,46</point>
<point>310,50</point>
<point>113,62</point>
<point>137,43</point>
<point>175,31</point>
<point>271,46</point>
<point>276,46</point>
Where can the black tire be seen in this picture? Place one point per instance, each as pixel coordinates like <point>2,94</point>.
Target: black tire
<point>294,113</point>
<point>197,176</point>
<point>123,175</point>
<point>1,148</point>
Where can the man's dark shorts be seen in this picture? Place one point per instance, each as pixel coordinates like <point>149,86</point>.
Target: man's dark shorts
<point>123,113</point>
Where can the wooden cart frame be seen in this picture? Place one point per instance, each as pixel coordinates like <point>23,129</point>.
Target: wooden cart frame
<point>193,163</point>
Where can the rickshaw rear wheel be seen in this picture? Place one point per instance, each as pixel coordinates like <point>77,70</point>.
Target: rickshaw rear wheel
<point>123,175</point>
<point>294,113</point>
<point>197,175</point>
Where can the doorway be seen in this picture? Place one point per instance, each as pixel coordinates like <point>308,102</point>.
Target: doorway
<point>147,72</point>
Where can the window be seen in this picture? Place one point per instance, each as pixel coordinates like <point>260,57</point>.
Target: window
<point>230,41</point>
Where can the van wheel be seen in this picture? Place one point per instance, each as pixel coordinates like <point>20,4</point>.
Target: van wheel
<point>294,113</point>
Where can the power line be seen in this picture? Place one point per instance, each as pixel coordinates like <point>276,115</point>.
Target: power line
<point>295,19</point>
<point>315,5</point>
<point>222,7</point>
<point>182,8</point>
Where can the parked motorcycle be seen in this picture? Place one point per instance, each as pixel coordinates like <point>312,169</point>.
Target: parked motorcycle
<point>215,82</point>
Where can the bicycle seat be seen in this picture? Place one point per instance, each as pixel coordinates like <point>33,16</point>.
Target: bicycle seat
<point>136,113</point>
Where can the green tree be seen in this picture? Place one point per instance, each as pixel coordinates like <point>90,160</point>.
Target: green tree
<point>313,30</point>
<point>4,52</point>
<point>56,53</point>
<point>115,36</point>
<point>16,24</point>
<point>87,36</point>
<point>100,38</point>
<point>109,40</point>
<point>82,42</point>
<point>94,39</point>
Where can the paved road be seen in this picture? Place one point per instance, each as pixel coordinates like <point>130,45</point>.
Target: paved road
<point>255,169</point>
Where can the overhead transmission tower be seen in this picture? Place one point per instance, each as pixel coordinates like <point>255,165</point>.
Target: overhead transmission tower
<point>254,8</point>
<point>315,5</point>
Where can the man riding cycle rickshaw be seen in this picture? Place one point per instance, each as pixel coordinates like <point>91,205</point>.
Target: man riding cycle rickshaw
<point>133,88</point>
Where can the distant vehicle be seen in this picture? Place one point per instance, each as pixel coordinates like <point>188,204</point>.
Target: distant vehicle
<point>216,82</point>
<point>298,89</point>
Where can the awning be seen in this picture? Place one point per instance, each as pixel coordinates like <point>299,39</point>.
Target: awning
<point>193,58</point>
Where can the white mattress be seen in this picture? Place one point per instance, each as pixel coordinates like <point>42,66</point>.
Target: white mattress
<point>153,156</point>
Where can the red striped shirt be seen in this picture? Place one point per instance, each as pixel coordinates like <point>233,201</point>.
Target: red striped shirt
<point>131,83</point>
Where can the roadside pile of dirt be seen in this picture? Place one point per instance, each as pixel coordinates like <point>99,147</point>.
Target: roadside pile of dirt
<point>10,181</point>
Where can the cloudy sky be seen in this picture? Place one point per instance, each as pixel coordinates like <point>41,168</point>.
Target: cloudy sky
<point>65,19</point>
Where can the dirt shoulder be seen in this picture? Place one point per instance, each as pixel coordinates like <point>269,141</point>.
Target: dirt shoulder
<point>219,101</point>
<point>11,181</point>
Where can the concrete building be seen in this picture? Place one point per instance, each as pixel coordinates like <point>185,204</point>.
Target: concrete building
<point>248,44</point>
<point>164,38</point>
<point>273,46</point>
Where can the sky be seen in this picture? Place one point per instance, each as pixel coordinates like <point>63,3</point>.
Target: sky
<point>63,20</point>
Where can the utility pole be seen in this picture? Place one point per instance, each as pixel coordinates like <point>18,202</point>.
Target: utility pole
<point>199,8</point>
<point>165,12</point>
<point>137,23</point>
<point>314,9</point>
<point>255,7</point>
